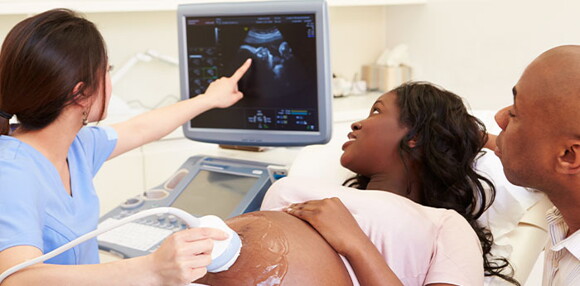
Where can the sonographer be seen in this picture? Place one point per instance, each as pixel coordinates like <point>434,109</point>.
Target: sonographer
<point>54,77</point>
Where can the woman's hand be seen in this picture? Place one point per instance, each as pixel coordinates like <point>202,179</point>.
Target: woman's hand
<point>224,91</point>
<point>153,125</point>
<point>332,220</point>
<point>335,223</point>
<point>184,256</point>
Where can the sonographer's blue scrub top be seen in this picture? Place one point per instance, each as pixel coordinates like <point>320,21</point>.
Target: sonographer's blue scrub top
<point>35,208</point>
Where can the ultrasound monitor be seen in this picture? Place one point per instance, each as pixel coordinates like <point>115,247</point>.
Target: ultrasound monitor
<point>287,92</point>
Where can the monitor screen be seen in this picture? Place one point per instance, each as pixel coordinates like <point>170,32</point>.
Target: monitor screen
<point>214,193</point>
<point>286,90</point>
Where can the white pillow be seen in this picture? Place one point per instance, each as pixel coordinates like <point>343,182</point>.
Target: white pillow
<point>323,161</point>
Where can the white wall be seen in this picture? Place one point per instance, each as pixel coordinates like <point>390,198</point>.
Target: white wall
<point>127,34</point>
<point>478,48</point>
<point>357,37</point>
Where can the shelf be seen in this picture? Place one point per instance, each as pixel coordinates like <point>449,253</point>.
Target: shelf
<point>335,3</point>
<point>14,7</point>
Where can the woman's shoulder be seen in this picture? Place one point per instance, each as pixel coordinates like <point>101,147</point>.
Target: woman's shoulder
<point>295,189</point>
<point>10,148</point>
<point>298,189</point>
<point>374,204</point>
<point>93,134</point>
<point>457,256</point>
<point>17,158</point>
<point>21,169</point>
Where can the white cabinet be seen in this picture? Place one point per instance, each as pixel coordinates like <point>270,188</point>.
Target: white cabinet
<point>8,7</point>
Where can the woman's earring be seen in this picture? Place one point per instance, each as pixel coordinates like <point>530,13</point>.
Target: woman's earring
<point>85,118</point>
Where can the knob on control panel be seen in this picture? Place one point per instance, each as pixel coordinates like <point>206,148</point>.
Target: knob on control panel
<point>132,203</point>
<point>156,194</point>
<point>175,179</point>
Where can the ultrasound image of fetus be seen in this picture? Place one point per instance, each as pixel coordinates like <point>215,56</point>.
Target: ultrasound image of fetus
<point>276,72</point>
<point>270,49</point>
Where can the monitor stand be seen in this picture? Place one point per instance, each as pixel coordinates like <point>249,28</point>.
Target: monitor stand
<point>244,148</point>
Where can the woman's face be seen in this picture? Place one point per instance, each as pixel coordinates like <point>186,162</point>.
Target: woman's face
<point>373,145</point>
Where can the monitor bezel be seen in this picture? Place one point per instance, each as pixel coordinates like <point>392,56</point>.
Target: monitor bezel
<point>257,137</point>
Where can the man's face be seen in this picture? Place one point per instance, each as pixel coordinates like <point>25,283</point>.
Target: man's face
<point>523,145</point>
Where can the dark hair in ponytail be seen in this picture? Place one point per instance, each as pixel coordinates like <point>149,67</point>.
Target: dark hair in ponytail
<point>42,59</point>
<point>4,123</point>
<point>448,141</point>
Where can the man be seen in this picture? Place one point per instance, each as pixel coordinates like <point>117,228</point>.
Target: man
<point>540,148</point>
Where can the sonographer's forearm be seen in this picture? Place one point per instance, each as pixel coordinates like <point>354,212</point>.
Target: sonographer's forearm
<point>155,124</point>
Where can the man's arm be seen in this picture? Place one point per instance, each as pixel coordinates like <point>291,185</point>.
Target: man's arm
<point>490,144</point>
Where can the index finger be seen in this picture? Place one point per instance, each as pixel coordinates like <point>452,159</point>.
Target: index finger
<point>242,70</point>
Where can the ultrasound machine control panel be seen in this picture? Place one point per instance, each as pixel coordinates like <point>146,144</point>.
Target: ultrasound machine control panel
<point>200,186</point>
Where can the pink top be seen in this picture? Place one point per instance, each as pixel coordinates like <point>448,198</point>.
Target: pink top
<point>422,245</point>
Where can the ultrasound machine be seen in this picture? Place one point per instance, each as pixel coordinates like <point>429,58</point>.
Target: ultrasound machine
<point>287,102</point>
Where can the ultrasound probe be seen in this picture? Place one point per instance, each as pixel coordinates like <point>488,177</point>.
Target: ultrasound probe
<point>223,255</point>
